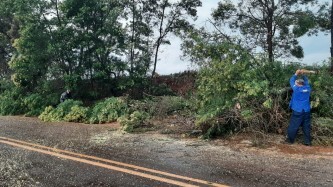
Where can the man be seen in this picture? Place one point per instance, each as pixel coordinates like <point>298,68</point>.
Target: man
<point>300,105</point>
<point>66,95</point>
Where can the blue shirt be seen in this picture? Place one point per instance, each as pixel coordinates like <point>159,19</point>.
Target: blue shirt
<point>300,99</point>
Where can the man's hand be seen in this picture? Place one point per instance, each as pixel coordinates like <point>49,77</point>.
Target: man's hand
<point>298,72</point>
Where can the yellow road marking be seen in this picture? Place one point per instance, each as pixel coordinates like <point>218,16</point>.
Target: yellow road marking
<point>99,164</point>
<point>56,152</point>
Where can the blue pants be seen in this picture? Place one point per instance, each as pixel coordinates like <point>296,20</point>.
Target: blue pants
<point>300,119</point>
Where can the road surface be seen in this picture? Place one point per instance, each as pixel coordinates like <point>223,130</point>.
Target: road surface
<point>34,153</point>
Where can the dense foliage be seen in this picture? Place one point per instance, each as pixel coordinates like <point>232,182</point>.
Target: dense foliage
<point>238,92</point>
<point>70,110</point>
<point>106,52</point>
<point>108,110</point>
<point>272,25</point>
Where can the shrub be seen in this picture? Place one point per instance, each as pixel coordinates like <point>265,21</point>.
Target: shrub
<point>322,95</point>
<point>259,87</point>
<point>11,102</point>
<point>160,106</point>
<point>133,121</point>
<point>161,89</point>
<point>34,104</point>
<point>70,110</point>
<point>322,131</point>
<point>16,101</point>
<point>108,110</point>
<point>224,83</point>
<point>167,105</point>
<point>48,114</point>
<point>77,114</point>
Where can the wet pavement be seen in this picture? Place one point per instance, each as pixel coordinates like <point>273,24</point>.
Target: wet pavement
<point>215,162</point>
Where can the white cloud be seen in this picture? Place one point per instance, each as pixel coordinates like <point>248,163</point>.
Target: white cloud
<point>170,61</point>
<point>316,48</point>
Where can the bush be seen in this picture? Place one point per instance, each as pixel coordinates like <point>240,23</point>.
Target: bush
<point>108,110</point>
<point>11,102</point>
<point>322,95</point>
<point>15,101</point>
<point>48,114</point>
<point>77,114</point>
<point>167,105</point>
<point>322,131</point>
<point>239,92</point>
<point>223,84</point>
<point>133,121</point>
<point>70,110</point>
<point>160,106</point>
<point>261,88</point>
<point>34,104</point>
<point>161,90</point>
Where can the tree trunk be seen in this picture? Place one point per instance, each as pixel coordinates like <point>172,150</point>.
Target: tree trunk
<point>132,39</point>
<point>270,45</point>
<point>332,37</point>
<point>156,57</point>
<point>270,33</point>
<point>158,43</point>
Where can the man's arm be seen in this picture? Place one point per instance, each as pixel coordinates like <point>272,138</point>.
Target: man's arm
<point>294,77</point>
<point>292,80</point>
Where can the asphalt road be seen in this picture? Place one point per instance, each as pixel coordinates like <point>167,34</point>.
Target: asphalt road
<point>34,153</point>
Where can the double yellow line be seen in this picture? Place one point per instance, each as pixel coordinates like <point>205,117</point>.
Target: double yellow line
<point>112,165</point>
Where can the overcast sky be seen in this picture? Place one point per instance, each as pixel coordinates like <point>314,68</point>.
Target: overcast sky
<point>316,48</point>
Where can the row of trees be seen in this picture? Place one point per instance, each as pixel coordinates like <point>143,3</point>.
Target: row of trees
<point>96,43</point>
<point>268,26</point>
<point>76,40</point>
<point>104,39</point>
<point>92,46</point>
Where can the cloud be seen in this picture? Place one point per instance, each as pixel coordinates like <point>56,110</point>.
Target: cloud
<point>170,61</point>
<point>316,48</point>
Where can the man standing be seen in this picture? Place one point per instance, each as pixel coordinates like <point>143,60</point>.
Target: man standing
<point>300,105</point>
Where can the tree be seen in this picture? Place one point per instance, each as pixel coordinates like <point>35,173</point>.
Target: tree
<point>331,37</point>
<point>8,32</point>
<point>30,60</point>
<point>139,36</point>
<point>324,23</point>
<point>171,18</point>
<point>272,25</point>
<point>70,40</point>
<point>97,36</point>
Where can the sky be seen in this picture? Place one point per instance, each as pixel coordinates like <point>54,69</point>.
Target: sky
<point>316,48</point>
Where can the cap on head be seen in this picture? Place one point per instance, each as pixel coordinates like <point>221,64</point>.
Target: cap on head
<point>300,81</point>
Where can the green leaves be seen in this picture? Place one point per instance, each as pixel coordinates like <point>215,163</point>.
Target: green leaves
<point>132,121</point>
<point>70,110</point>
<point>305,22</point>
<point>225,10</point>
<point>272,25</point>
<point>108,110</point>
<point>224,82</point>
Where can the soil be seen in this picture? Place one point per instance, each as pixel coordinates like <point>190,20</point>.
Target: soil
<point>173,146</point>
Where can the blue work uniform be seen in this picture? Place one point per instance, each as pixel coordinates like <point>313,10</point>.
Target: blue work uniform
<point>300,105</point>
